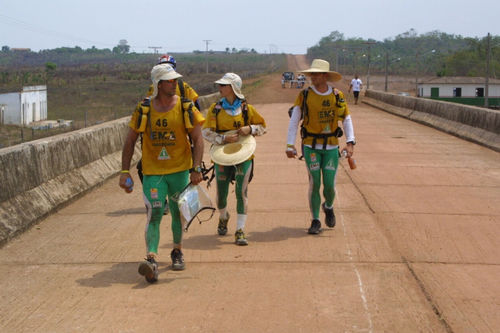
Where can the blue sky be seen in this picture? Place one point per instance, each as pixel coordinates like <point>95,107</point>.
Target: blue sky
<point>266,26</point>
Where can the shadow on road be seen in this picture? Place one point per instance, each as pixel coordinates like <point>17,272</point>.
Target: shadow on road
<point>125,273</point>
<point>211,242</point>
<point>128,211</point>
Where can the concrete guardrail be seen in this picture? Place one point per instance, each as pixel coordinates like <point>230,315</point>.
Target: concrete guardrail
<point>38,177</point>
<point>475,124</point>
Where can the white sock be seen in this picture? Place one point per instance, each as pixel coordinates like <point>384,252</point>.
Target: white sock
<point>240,222</point>
<point>223,213</point>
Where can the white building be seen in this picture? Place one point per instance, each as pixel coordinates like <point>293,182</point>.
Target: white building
<point>25,107</point>
<point>466,90</point>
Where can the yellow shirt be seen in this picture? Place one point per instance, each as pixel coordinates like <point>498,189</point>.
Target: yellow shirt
<point>324,113</point>
<point>189,92</point>
<point>165,146</point>
<point>222,121</point>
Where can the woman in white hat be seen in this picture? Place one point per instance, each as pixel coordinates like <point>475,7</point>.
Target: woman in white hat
<point>230,126</point>
<point>321,107</point>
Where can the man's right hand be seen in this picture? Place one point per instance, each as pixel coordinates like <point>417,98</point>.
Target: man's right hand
<point>123,182</point>
<point>291,152</point>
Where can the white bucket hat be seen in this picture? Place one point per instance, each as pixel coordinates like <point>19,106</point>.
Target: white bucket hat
<point>233,153</point>
<point>322,66</point>
<point>235,81</point>
<point>162,72</point>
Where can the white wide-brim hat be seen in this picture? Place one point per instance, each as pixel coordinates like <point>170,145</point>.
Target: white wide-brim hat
<point>162,72</point>
<point>235,81</point>
<point>322,66</point>
<point>233,153</point>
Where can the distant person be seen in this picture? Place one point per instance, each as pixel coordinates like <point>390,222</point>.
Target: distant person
<point>320,107</point>
<point>356,86</point>
<point>167,159</point>
<point>232,120</point>
<point>183,90</point>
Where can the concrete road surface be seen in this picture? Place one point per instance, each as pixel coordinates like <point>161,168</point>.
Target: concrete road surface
<point>416,248</point>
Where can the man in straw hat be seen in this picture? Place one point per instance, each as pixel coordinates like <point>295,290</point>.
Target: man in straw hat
<point>167,159</point>
<point>230,127</point>
<point>320,107</point>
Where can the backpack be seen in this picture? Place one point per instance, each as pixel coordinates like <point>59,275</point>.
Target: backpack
<point>244,111</point>
<point>304,116</point>
<point>144,119</point>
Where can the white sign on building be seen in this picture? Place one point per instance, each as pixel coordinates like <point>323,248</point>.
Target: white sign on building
<point>25,107</point>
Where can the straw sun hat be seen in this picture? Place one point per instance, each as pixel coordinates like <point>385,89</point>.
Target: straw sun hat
<point>233,153</point>
<point>322,66</point>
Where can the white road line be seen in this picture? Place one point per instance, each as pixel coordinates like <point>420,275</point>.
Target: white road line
<point>353,264</point>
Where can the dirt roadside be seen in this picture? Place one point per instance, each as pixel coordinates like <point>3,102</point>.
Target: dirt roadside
<point>415,248</point>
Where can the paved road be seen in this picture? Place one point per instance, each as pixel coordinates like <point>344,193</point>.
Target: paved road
<point>415,249</point>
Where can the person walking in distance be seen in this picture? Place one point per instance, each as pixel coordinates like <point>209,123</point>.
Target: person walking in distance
<point>356,86</point>
<point>167,159</point>
<point>232,121</point>
<point>320,107</point>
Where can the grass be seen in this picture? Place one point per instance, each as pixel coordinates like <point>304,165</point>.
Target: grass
<point>92,93</point>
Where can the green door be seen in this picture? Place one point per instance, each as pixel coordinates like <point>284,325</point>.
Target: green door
<point>434,92</point>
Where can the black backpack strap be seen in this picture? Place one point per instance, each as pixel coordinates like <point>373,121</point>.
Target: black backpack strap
<point>145,105</point>
<point>216,111</point>
<point>180,83</point>
<point>305,108</point>
<point>244,110</point>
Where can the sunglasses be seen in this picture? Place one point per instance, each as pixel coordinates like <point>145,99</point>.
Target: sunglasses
<point>223,85</point>
<point>169,81</point>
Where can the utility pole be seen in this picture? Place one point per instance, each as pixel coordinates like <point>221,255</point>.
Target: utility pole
<point>386,65</point>
<point>206,52</point>
<point>369,60</point>
<point>155,48</point>
<point>416,74</point>
<point>487,80</point>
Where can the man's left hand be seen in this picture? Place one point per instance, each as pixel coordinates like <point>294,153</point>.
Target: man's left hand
<point>196,177</point>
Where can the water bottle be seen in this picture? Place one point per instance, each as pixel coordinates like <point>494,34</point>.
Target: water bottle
<point>129,185</point>
<point>350,160</point>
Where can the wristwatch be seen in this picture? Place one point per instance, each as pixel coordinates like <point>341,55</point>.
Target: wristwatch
<point>353,142</point>
<point>197,169</point>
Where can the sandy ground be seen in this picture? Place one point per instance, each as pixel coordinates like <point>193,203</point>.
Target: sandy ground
<point>415,249</point>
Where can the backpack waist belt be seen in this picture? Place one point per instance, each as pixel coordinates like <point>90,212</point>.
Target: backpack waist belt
<point>337,133</point>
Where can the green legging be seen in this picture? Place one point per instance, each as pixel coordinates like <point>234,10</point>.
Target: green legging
<point>156,188</point>
<point>224,175</point>
<point>321,162</point>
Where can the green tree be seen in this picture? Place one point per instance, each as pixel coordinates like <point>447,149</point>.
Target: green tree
<point>122,47</point>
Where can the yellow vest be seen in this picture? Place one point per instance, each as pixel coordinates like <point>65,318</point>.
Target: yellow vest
<point>165,145</point>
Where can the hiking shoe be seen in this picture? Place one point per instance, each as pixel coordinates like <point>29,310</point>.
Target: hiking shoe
<point>239,237</point>
<point>177,260</point>
<point>329,216</point>
<point>222,227</point>
<point>149,269</point>
<point>315,227</point>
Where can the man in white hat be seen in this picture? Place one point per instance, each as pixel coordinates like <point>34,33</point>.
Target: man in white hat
<point>183,90</point>
<point>230,126</point>
<point>167,159</point>
<point>320,107</point>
